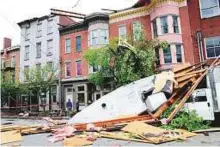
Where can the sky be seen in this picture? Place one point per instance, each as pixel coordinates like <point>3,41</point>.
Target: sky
<point>13,11</point>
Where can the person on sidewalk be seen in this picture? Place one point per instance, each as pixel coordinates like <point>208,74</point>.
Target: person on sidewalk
<point>69,105</point>
<point>77,105</point>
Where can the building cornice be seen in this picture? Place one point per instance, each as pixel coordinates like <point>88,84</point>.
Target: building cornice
<point>144,9</point>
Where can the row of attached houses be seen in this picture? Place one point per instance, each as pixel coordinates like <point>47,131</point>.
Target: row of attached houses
<point>191,27</point>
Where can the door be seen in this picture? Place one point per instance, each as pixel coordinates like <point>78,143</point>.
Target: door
<point>68,95</point>
<point>201,101</point>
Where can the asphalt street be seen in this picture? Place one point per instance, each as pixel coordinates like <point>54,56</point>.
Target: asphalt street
<point>42,139</point>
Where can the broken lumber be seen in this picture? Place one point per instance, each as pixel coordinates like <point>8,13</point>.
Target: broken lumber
<point>76,141</point>
<point>10,136</point>
<point>188,94</point>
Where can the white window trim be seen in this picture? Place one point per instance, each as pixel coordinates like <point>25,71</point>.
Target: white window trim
<point>39,31</point>
<point>136,22</point>
<point>66,69</point>
<point>13,64</point>
<point>206,48</point>
<point>76,43</point>
<point>49,50</point>
<point>202,17</point>
<point>66,48</point>
<point>122,25</point>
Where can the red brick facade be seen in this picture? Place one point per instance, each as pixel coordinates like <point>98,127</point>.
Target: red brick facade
<point>209,27</point>
<point>144,20</point>
<point>74,56</point>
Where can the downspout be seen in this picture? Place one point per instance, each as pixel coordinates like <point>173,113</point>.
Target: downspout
<point>200,47</point>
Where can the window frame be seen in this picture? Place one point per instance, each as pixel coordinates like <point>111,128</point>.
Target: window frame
<point>133,29</point>
<point>201,14</point>
<point>27,33</point>
<point>13,62</point>
<point>26,53</point>
<point>67,63</point>
<point>78,45</point>
<point>176,25</point>
<point>39,31</point>
<point>214,46</point>
<point>95,37</point>
<point>104,37</point>
<point>26,69</point>
<point>49,49</point>
<point>155,30</point>
<point>79,61</point>
<point>169,47</point>
<point>67,51</point>
<point>38,50</point>
<point>181,53</point>
<point>49,26</point>
<point>119,32</point>
<point>167,25</point>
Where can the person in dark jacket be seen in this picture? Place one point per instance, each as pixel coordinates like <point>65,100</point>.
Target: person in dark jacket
<point>69,105</point>
<point>77,105</point>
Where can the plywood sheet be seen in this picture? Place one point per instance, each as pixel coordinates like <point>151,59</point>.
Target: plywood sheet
<point>142,128</point>
<point>76,141</point>
<point>10,136</point>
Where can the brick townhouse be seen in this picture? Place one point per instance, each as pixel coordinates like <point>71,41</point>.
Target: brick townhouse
<point>10,59</point>
<point>191,27</point>
<point>75,40</point>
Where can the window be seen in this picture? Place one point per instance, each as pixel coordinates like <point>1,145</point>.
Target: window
<point>12,78</point>
<point>49,47</point>
<point>178,53</point>
<point>38,51</point>
<point>79,68</point>
<point>122,32</point>
<point>54,93</point>
<point>49,27</point>
<point>157,56</point>
<point>164,25</point>
<point>26,53</point>
<point>103,36</point>
<point>93,69</point>
<point>39,29</point>
<point>175,24</point>
<point>67,69</point>
<point>67,45</point>
<point>209,8</point>
<point>26,73</point>
<point>137,30</point>
<point>167,55</point>
<point>80,88</point>
<point>27,33</point>
<point>94,37</point>
<point>155,28</point>
<point>13,63</point>
<point>212,46</point>
<point>50,66</point>
<point>38,67</point>
<point>81,98</point>
<point>78,43</point>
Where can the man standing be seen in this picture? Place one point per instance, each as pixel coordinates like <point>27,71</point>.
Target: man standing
<point>69,105</point>
<point>77,105</point>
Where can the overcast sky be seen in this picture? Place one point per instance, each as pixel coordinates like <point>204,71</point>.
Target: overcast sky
<point>13,11</point>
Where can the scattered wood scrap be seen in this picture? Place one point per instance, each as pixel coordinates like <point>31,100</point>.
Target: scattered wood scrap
<point>76,141</point>
<point>10,136</point>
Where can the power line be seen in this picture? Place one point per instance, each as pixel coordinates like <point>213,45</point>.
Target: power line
<point>76,4</point>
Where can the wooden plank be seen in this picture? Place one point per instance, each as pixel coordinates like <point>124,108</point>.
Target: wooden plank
<point>188,94</point>
<point>76,141</point>
<point>208,130</point>
<point>10,136</point>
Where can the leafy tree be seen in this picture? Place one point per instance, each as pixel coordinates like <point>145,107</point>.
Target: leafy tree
<point>9,90</point>
<point>39,80</point>
<point>122,62</point>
